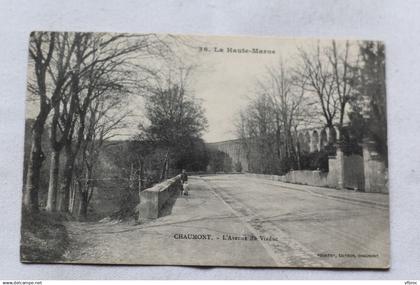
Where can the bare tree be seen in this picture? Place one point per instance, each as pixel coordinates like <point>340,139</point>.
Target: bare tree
<point>344,76</point>
<point>318,74</point>
<point>106,65</point>
<point>328,74</point>
<point>106,114</point>
<point>288,97</point>
<point>257,130</point>
<point>41,50</point>
<point>267,125</point>
<point>64,65</point>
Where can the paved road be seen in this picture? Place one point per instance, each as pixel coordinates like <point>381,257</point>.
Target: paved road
<point>235,220</point>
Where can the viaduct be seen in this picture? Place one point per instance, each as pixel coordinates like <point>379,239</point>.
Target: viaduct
<point>310,140</point>
<point>367,172</point>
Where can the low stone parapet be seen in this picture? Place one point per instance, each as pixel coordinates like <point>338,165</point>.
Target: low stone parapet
<point>305,177</point>
<point>153,199</point>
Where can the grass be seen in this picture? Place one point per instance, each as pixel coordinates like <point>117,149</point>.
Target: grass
<point>43,237</point>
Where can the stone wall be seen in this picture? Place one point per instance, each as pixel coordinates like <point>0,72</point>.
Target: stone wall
<point>367,173</point>
<point>353,172</point>
<point>153,199</point>
<point>375,170</point>
<point>344,172</point>
<point>376,177</point>
<point>305,177</point>
<point>363,173</point>
<point>335,173</point>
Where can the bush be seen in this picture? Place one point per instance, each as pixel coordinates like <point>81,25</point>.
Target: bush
<point>219,161</point>
<point>128,205</point>
<point>43,237</point>
<point>315,161</point>
<point>238,166</point>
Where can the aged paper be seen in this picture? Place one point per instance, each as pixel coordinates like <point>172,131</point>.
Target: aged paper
<point>205,151</point>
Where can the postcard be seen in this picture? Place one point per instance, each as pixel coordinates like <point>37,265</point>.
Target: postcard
<point>162,149</point>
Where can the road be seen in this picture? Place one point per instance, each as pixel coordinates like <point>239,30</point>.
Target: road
<point>235,220</point>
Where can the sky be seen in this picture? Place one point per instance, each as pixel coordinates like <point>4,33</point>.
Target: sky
<point>223,80</point>
<point>227,80</point>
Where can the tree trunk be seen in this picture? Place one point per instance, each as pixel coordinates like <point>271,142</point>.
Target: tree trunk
<point>164,167</point>
<point>298,156</point>
<point>67,180</point>
<point>83,205</point>
<point>278,135</point>
<point>167,169</point>
<point>141,175</point>
<point>36,158</point>
<point>72,198</point>
<point>53,183</point>
<point>131,179</point>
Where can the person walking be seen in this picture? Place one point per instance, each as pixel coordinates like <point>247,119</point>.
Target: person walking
<point>184,182</point>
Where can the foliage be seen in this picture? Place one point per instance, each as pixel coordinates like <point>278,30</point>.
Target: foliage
<point>174,123</point>
<point>173,117</point>
<point>219,161</point>
<point>194,156</point>
<point>44,237</point>
<point>127,206</point>
<point>238,166</point>
<point>326,84</point>
<point>78,82</point>
<point>317,160</point>
<point>368,117</point>
<point>259,129</point>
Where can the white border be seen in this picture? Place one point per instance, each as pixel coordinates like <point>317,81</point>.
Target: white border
<point>395,22</point>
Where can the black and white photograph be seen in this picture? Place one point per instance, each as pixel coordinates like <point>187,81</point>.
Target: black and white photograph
<point>236,151</point>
